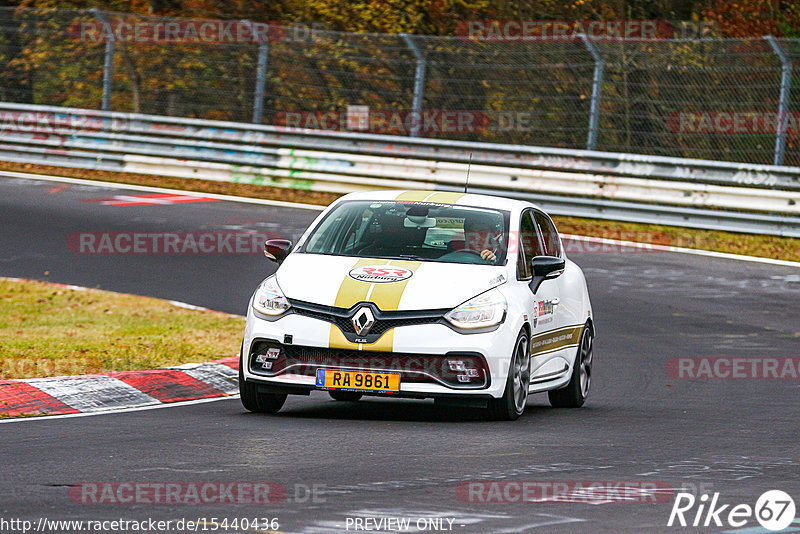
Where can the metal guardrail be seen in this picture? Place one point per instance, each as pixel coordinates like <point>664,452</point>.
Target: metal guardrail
<point>679,91</point>
<point>682,192</point>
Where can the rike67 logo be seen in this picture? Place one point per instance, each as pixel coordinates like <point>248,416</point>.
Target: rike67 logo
<point>774,510</point>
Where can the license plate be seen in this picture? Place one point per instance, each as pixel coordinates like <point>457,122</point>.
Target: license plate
<point>358,380</point>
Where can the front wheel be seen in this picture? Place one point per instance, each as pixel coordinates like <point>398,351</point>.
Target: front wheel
<point>254,401</point>
<point>574,394</point>
<point>511,405</point>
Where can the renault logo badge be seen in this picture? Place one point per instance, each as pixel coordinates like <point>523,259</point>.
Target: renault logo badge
<point>363,321</point>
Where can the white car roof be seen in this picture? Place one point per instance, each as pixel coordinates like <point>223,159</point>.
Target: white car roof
<point>445,197</point>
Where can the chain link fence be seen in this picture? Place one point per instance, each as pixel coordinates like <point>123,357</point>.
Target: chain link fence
<point>719,99</point>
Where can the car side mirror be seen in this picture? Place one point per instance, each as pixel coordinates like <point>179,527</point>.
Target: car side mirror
<point>277,249</point>
<point>545,268</point>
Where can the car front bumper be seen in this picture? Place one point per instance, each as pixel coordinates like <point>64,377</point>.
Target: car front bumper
<point>421,354</point>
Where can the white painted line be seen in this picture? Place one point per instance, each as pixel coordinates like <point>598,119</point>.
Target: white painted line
<point>188,306</point>
<point>115,185</point>
<point>180,304</point>
<point>121,410</point>
<point>680,250</point>
<point>298,205</point>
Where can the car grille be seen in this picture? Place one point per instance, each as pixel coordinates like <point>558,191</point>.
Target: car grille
<point>384,320</point>
<point>420,368</point>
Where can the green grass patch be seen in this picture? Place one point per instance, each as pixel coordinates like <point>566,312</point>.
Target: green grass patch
<point>48,330</point>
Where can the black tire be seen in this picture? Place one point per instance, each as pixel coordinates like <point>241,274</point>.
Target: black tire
<point>512,404</point>
<point>574,394</point>
<point>345,396</point>
<point>254,401</point>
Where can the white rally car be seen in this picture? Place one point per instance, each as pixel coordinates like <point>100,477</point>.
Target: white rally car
<point>463,298</point>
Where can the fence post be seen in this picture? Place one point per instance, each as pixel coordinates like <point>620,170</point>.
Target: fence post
<point>783,103</point>
<point>261,73</point>
<point>597,92</point>
<point>108,62</point>
<point>419,85</point>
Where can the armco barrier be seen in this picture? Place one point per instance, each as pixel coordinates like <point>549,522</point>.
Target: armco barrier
<point>693,193</point>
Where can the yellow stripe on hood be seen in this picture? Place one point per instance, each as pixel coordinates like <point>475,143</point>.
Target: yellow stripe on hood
<point>338,341</point>
<point>386,296</point>
<point>353,291</point>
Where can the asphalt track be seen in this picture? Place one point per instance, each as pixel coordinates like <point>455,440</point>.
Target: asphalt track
<point>405,459</point>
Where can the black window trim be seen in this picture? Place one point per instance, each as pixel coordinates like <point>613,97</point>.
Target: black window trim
<point>302,245</point>
<point>520,246</point>
<point>541,236</point>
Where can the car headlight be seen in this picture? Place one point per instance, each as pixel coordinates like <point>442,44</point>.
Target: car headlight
<point>487,309</point>
<point>269,298</point>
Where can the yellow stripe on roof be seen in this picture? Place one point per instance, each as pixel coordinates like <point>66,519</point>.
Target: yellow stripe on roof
<point>413,195</point>
<point>442,197</point>
<point>446,197</point>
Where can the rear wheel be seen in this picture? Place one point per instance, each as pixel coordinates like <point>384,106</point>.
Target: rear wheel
<point>574,394</point>
<point>511,405</point>
<point>348,396</point>
<point>254,401</point>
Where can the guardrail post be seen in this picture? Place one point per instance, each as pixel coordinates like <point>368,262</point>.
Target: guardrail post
<point>597,92</point>
<point>419,85</point>
<point>108,62</point>
<point>261,73</point>
<point>783,103</point>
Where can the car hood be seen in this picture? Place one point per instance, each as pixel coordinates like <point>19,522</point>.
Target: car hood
<point>343,281</point>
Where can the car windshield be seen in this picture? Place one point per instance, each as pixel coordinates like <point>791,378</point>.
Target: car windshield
<point>424,231</point>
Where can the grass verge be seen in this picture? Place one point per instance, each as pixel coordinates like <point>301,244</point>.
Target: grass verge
<point>784,248</point>
<point>49,330</point>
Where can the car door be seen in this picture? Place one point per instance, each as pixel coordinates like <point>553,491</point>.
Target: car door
<point>537,238</point>
<point>544,310</point>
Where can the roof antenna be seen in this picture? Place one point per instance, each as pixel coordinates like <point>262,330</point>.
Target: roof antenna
<point>466,182</point>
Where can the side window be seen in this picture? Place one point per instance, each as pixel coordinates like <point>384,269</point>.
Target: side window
<point>529,245</point>
<point>552,244</point>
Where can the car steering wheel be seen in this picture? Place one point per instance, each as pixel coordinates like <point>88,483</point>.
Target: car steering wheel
<point>470,251</point>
